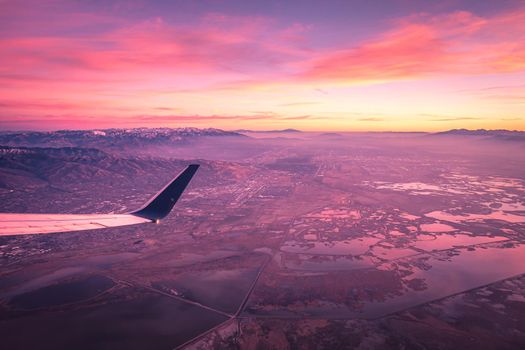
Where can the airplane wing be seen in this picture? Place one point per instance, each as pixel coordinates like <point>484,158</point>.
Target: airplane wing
<point>155,209</point>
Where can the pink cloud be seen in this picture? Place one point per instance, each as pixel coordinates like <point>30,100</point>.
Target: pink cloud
<point>216,42</point>
<point>79,121</point>
<point>408,51</point>
<point>95,64</point>
<point>422,45</point>
<point>259,49</point>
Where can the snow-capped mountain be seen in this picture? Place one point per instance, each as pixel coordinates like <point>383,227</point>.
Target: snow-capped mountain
<point>110,138</point>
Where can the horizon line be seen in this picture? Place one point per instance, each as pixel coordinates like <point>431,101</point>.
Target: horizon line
<point>290,130</point>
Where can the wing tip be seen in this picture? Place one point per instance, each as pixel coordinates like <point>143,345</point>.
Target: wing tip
<point>162,203</point>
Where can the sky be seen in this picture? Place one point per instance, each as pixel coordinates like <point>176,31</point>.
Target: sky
<point>340,65</point>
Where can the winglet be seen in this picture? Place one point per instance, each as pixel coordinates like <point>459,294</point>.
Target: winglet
<point>161,204</point>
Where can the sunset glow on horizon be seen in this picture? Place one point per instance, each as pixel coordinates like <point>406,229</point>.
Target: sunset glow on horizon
<point>402,65</point>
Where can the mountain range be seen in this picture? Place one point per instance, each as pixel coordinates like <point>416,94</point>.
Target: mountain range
<point>111,138</point>
<point>501,134</point>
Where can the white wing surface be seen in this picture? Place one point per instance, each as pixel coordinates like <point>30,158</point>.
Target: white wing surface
<point>155,209</point>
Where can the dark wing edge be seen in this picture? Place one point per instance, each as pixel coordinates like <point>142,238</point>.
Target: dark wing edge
<point>161,204</point>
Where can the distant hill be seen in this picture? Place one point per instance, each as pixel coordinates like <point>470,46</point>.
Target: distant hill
<point>284,131</point>
<point>507,135</point>
<point>331,134</point>
<point>110,138</point>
